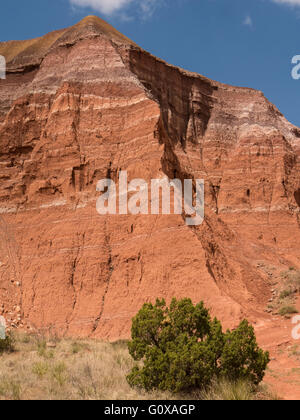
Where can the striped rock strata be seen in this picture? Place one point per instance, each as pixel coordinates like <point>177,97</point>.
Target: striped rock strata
<point>84,103</point>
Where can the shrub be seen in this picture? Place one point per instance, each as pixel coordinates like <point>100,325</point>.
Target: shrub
<point>241,357</point>
<point>181,349</point>
<point>287,310</point>
<point>7,344</point>
<point>76,348</point>
<point>285,293</point>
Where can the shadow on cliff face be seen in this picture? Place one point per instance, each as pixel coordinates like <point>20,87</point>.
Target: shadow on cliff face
<point>297,196</point>
<point>185,102</point>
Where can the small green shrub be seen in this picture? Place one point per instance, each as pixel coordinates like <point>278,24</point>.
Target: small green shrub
<point>76,348</point>
<point>285,293</point>
<point>7,344</point>
<point>182,349</point>
<point>287,310</point>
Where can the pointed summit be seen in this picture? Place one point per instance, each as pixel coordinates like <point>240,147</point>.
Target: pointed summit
<point>99,26</point>
<point>31,52</point>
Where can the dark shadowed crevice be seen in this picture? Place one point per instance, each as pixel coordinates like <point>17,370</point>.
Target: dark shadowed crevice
<point>297,196</point>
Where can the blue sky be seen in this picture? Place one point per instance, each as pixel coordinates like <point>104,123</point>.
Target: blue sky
<point>242,42</point>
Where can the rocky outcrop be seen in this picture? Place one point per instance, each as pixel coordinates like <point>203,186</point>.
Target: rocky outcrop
<point>84,103</point>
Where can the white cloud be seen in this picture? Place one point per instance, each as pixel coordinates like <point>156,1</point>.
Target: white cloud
<point>109,7</point>
<point>146,7</point>
<point>248,21</point>
<point>289,2</point>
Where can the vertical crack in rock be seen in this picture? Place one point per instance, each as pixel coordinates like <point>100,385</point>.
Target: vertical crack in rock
<point>33,296</point>
<point>11,294</point>
<point>297,197</point>
<point>110,269</point>
<point>77,247</point>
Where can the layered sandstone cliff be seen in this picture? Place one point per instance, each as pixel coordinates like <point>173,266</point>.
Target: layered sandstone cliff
<point>84,103</point>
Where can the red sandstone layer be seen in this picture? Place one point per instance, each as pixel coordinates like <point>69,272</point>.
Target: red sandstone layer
<point>84,103</point>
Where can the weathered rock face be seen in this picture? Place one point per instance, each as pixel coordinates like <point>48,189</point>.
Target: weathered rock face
<point>84,103</point>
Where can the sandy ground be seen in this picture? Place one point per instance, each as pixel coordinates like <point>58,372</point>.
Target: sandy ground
<point>283,374</point>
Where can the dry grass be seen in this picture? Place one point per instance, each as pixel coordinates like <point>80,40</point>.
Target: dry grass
<point>86,370</point>
<point>294,352</point>
<point>224,390</point>
<point>291,279</point>
<point>73,370</point>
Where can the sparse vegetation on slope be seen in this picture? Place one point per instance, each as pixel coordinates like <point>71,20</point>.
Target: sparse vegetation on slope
<point>285,295</point>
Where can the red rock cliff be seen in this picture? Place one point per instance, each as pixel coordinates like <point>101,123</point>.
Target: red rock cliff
<point>84,103</point>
